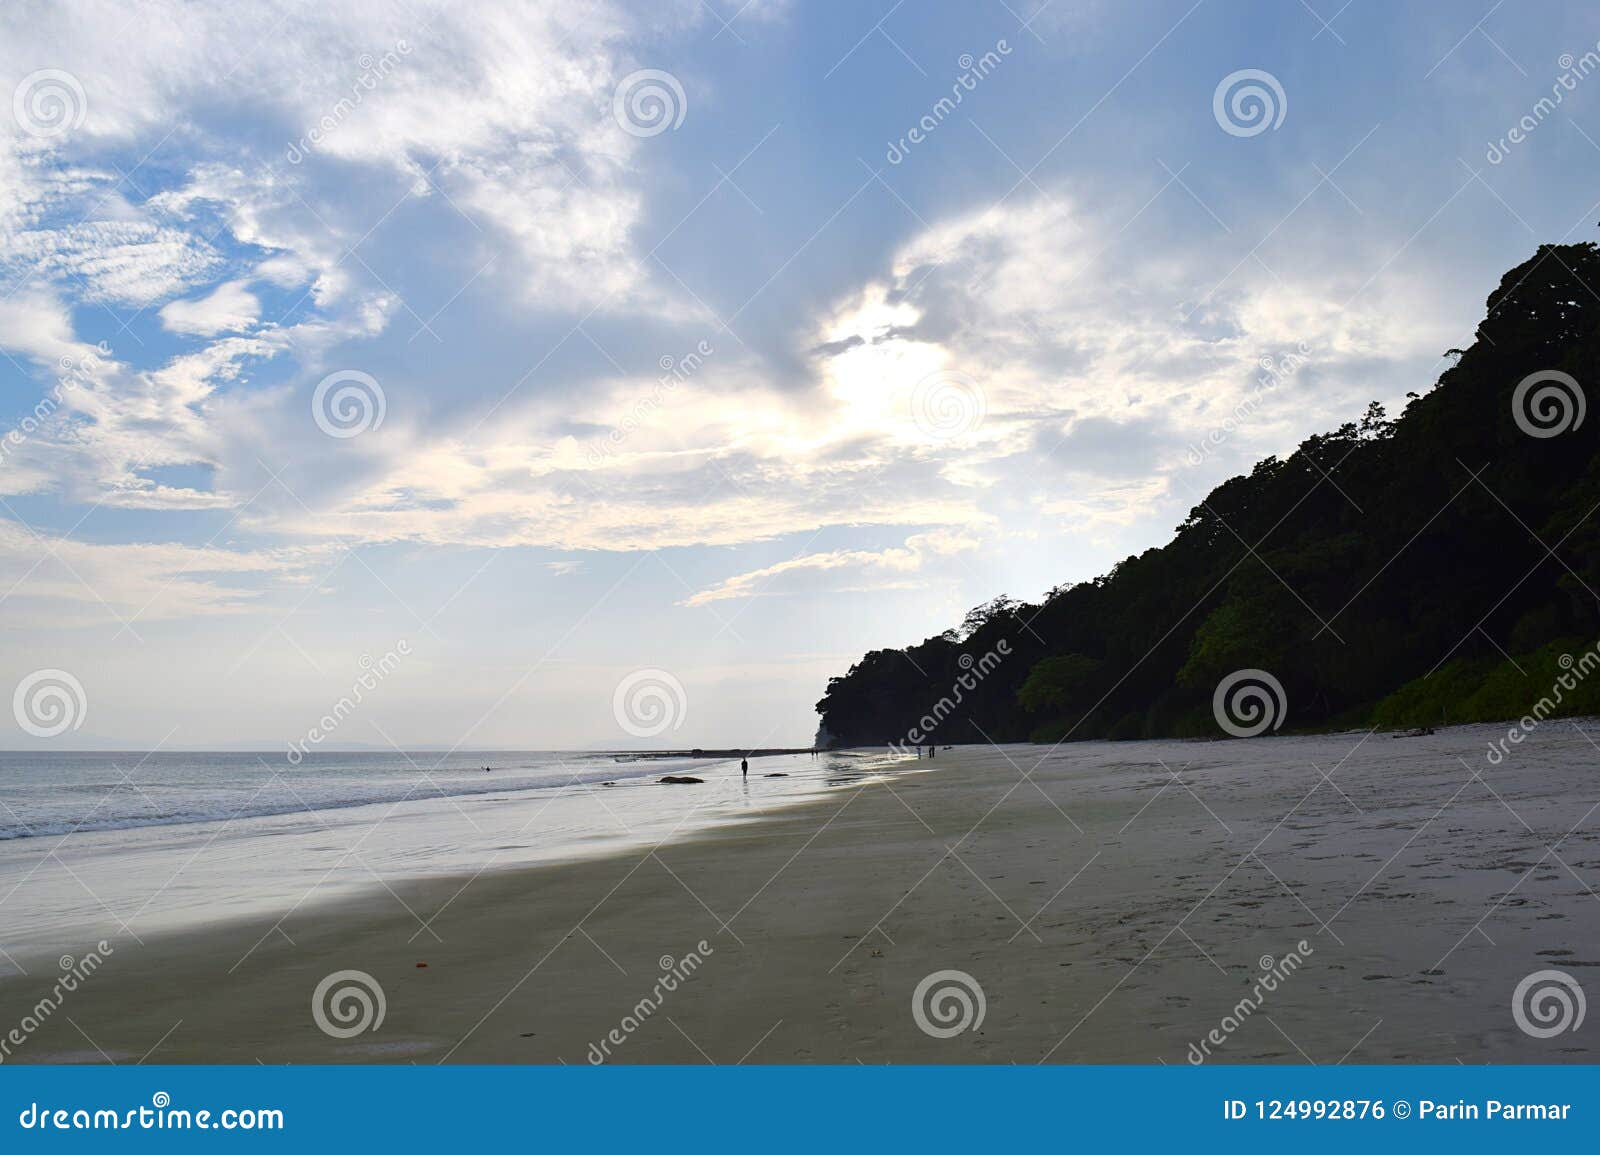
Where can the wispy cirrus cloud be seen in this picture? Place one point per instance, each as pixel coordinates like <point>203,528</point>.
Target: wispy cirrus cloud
<point>134,263</point>
<point>61,582</point>
<point>840,571</point>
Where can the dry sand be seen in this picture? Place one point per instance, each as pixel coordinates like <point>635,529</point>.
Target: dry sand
<point>1114,906</point>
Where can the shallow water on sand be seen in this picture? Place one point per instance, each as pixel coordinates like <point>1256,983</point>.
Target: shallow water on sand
<point>129,844</point>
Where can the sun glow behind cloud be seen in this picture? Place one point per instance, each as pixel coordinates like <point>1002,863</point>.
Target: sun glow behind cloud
<point>442,198</point>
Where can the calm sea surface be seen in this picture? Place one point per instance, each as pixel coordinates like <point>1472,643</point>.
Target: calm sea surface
<point>129,844</point>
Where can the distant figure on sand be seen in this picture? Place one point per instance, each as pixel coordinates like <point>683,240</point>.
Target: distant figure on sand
<point>744,767</point>
<point>933,751</point>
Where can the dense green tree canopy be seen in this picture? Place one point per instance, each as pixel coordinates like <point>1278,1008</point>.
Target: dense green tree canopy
<point>1372,561</point>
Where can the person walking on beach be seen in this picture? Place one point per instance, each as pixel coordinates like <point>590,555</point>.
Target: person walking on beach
<point>744,767</point>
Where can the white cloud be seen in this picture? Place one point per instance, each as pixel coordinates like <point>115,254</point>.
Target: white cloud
<point>1073,385</point>
<point>116,262</point>
<point>63,582</point>
<point>34,323</point>
<point>497,121</point>
<point>498,116</point>
<point>502,110</point>
<point>840,571</point>
<point>230,308</point>
<point>1086,365</point>
<point>102,426</point>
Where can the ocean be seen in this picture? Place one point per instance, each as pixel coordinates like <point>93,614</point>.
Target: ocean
<point>132,844</point>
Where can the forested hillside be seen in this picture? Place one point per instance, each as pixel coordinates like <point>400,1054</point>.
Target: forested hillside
<point>1388,571</point>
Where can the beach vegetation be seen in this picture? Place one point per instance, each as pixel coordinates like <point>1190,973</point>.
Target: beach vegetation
<point>1402,571</point>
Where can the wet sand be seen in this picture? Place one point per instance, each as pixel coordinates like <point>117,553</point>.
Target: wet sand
<point>1113,905</point>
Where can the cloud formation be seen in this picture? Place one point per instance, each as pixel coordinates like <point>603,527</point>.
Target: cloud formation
<point>229,308</point>
<point>1004,366</point>
<point>840,571</point>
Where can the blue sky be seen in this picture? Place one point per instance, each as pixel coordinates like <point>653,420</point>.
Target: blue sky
<point>906,374</point>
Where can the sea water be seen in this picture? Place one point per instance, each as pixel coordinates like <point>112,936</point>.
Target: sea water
<point>131,844</point>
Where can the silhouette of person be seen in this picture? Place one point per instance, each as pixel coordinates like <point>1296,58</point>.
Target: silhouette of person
<point>744,767</point>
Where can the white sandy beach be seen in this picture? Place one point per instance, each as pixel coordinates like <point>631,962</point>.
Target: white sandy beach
<point>1113,901</point>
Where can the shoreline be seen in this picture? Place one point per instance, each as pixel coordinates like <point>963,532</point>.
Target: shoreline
<point>1107,912</point>
<point>132,879</point>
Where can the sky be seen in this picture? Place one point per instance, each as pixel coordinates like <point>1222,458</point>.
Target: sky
<point>582,374</point>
